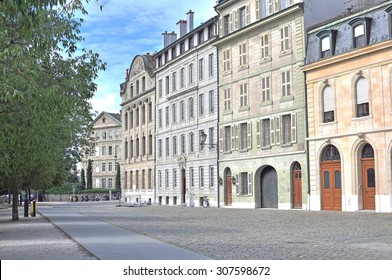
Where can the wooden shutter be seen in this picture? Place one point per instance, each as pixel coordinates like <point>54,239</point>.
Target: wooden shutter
<point>293,128</point>
<point>250,182</point>
<point>277,129</point>
<point>233,137</point>
<point>258,133</point>
<point>272,131</point>
<point>247,12</point>
<point>237,184</point>
<point>249,128</point>
<point>236,12</point>
<point>221,139</point>
<point>231,22</point>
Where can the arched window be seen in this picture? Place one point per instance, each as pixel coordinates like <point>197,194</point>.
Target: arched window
<point>362,98</point>
<point>330,153</point>
<point>328,105</point>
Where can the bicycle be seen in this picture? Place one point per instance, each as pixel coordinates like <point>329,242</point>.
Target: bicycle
<point>206,202</point>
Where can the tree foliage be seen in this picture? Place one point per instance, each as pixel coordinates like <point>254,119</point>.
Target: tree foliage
<point>82,179</point>
<point>45,87</point>
<point>89,182</point>
<point>118,178</point>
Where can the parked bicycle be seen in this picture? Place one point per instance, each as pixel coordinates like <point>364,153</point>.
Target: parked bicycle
<point>206,202</point>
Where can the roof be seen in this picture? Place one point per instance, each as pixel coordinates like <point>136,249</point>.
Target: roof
<point>116,117</point>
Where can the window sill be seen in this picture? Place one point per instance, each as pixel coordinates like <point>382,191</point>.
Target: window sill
<point>285,53</point>
<point>364,118</point>
<point>266,103</point>
<point>228,112</point>
<point>286,98</point>
<point>286,145</point>
<point>266,147</point>
<point>265,60</point>
<point>243,67</point>
<point>244,108</point>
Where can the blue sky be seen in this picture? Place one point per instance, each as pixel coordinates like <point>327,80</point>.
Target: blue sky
<point>126,28</point>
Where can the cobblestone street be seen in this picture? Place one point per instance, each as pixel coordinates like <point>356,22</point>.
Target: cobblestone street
<point>255,233</point>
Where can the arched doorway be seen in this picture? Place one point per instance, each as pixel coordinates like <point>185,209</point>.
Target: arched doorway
<point>269,188</point>
<point>331,187</point>
<point>368,178</point>
<point>297,186</point>
<point>228,187</point>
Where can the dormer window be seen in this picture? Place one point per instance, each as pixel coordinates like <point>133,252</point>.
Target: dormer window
<point>327,43</point>
<point>389,12</point>
<point>361,31</point>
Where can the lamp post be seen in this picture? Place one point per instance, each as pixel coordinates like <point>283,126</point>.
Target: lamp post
<point>203,138</point>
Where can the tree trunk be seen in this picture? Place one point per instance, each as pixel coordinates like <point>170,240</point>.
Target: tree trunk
<point>15,200</point>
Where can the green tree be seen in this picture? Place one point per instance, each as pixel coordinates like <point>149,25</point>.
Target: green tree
<point>118,178</point>
<point>82,179</point>
<point>89,183</point>
<point>45,88</point>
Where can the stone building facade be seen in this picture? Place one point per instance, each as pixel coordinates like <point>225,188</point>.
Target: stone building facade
<point>262,110</point>
<point>349,77</point>
<point>186,107</point>
<point>138,131</point>
<point>107,150</point>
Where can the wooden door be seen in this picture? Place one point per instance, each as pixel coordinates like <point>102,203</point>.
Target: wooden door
<point>269,188</point>
<point>368,184</point>
<point>297,189</point>
<point>331,186</point>
<point>229,196</point>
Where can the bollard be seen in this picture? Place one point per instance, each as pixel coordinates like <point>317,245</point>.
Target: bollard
<point>32,209</point>
<point>26,208</point>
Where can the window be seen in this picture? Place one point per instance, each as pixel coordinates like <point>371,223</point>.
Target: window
<point>201,70</point>
<point>143,145</point>
<point>137,179</point>
<point>201,104</point>
<point>137,116</point>
<point>191,142</point>
<point>328,104</point>
<point>166,179</point>
<point>174,53</point>
<point>131,91</point>
<point>160,90</point>
<point>103,183</point>
<point>211,177</point>
<point>201,37</point>
<point>111,134</point>
<point>244,183</point>
<point>284,39</point>
<point>226,61</point>
<point>174,80</point>
<point>362,97</point>
<point>182,77</point>
<point>258,9</point>
<point>182,110</point>
<point>167,115</point>
<point>273,6</point>
<point>245,136</point>
<point>191,42</point>
<point>286,83</point>
<point>160,118</point>
<point>167,79</point>
<point>137,146</point>
<point>110,183</point>
<point>360,31</point>
<point>227,139</point>
<point>264,42</point>
<point>288,128</point>
<point>182,47</point>
<point>242,17</point>
<point>160,148</point>
<point>211,136</point>
<point>131,148</point>
<point>190,105</point>
<point>201,179</point>
<point>190,73</point>
<point>227,100</point>
<point>104,135</point>
<point>97,167</point>
<point>182,143</point>
<point>211,64</point>
<point>143,179</point>
<point>211,101</point>
<point>144,114</point>
<point>174,145</point>
<point>325,47</point>
<point>225,25</point>
<point>243,95</point>
<point>110,150</point>
<point>243,57</point>
<point>211,31</point>
<point>131,119</point>
<point>265,89</point>
<point>150,112</point>
<point>359,36</point>
<point>174,113</point>
<point>103,167</point>
<point>160,179</point>
<point>150,144</point>
<point>143,84</point>
<point>192,177</point>
<point>103,151</point>
<point>167,146</point>
<point>137,87</point>
<point>174,178</point>
<point>201,147</point>
<point>266,132</point>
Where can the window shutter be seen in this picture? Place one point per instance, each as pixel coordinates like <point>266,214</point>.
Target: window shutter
<point>231,22</point>
<point>277,130</point>
<point>233,137</point>
<point>237,184</point>
<point>272,131</point>
<point>236,140</point>
<point>221,139</point>
<point>258,134</point>
<point>293,128</point>
<point>249,128</point>
<point>220,27</point>
<point>258,14</point>
<point>247,11</point>
<point>329,100</point>
<point>250,182</point>
<point>236,12</point>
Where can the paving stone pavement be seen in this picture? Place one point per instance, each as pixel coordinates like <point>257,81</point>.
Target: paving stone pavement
<point>226,233</point>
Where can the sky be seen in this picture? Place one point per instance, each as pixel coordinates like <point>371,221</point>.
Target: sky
<point>126,28</point>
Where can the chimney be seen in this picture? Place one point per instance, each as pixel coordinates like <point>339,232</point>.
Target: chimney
<point>172,37</point>
<point>190,15</point>
<point>165,39</point>
<point>181,28</point>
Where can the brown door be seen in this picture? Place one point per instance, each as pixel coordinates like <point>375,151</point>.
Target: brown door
<point>297,189</point>
<point>368,184</point>
<point>229,200</point>
<point>331,186</point>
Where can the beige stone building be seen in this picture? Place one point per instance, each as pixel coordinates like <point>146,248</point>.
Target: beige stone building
<point>138,131</point>
<point>349,75</point>
<point>106,152</point>
<point>262,111</point>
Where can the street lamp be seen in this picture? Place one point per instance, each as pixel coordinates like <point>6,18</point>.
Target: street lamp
<point>203,138</point>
